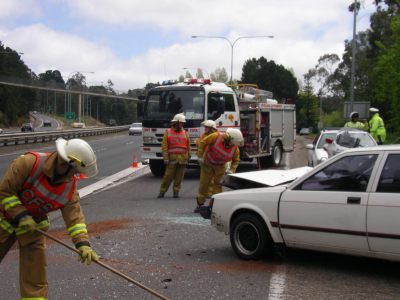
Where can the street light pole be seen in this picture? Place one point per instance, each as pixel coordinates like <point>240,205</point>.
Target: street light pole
<point>353,56</point>
<point>232,44</point>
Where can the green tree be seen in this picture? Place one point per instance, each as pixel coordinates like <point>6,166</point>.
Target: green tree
<point>307,103</point>
<point>15,103</point>
<point>271,77</point>
<point>199,73</point>
<point>219,75</point>
<point>387,75</point>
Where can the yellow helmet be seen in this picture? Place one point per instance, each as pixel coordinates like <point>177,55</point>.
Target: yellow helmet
<point>79,154</point>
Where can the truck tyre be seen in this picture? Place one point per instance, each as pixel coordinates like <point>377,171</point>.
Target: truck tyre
<point>157,167</point>
<point>277,154</point>
<point>249,237</point>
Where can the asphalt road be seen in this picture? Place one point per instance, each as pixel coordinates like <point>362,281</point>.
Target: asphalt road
<point>165,246</point>
<point>114,153</point>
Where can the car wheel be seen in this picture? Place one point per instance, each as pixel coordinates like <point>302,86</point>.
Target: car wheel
<point>250,238</point>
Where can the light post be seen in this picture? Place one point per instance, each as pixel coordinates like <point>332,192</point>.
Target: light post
<point>232,44</point>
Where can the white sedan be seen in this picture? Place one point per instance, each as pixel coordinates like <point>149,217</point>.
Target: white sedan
<point>334,140</point>
<point>349,204</point>
<point>135,128</point>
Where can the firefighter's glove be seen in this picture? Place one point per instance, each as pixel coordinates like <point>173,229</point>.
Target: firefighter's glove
<point>227,172</point>
<point>166,162</point>
<point>87,255</point>
<point>28,224</point>
<point>200,161</point>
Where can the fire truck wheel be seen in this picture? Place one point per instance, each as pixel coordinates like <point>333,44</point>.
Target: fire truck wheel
<point>157,167</point>
<point>277,154</point>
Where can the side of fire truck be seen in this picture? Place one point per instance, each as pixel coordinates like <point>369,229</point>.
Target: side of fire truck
<point>268,127</point>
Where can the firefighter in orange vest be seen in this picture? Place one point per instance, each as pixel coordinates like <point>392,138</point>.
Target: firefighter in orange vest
<point>176,153</point>
<point>214,152</point>
<point>32,186</point>
<point>210,127</point>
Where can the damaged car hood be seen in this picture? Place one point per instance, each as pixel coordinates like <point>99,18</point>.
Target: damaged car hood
<point>263,178</point>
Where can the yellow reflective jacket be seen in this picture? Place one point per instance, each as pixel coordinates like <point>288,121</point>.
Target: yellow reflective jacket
<point>206,143</point>
<point>12,182</point>
<point>377,128</point>
<point>179,158</point>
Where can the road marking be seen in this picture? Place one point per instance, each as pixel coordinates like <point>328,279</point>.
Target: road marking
<point>115,180</point>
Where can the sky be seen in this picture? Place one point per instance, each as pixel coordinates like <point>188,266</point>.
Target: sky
<point>132,42</point>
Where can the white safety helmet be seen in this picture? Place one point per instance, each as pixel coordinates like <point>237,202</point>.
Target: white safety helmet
<point>79,154</point>
<point>354,114</point>
<point>235,135</point>
<point>373,109</point>
<point>209,123</point>
<point>179,118</point>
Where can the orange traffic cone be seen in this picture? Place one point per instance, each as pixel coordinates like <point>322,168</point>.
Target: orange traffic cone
<point>134,160</point>
<point>81,176</point>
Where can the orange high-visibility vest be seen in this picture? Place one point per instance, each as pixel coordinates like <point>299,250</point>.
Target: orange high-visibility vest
<point>217,154</point>
<point>38,195</point>
<point>177,141</point>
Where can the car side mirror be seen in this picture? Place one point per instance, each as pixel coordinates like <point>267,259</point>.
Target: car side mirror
<point>310,146</point>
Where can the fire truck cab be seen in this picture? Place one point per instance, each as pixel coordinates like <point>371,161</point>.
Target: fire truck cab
<point>262,123</point>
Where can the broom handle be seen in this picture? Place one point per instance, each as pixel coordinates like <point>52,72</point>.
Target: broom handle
<point>104,266</point>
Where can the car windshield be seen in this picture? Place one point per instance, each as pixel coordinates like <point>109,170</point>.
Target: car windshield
<point>164,104</point>
<point>324,136</point>
<point>136,125</point>
<point>354,139</point>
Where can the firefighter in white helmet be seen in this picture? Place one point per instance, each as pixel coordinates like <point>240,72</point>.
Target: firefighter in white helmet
<point>210,127</point>
<point>176,153</point>
<point>214,152</point>
<point>32,186</point>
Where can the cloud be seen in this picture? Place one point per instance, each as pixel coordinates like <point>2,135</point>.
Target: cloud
<point>12,9</point>
<point>304,30</point>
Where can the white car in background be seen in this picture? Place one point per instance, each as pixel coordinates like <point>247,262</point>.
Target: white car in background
<point>335,140</point>
<point>349,205</point>
<point>135,128</point>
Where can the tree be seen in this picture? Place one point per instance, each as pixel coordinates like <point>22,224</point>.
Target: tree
<point>15,103</point>
<point>188,75</point>
<point>199,74</point>
<point>324,78</point>
<point>387,75</point>
<point>307,103</point>
<point>219,75</point>
<point>271,77</point>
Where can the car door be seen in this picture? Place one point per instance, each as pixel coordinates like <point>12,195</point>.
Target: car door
<point>327,210</point>
<point>383,215</point>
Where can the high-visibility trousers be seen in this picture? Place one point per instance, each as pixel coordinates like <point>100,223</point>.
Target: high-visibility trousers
<point>173,172</point>
<point>209,173</point>
<point>32,264</point>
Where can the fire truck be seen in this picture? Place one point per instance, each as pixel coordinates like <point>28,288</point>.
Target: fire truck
<point>268,127</point>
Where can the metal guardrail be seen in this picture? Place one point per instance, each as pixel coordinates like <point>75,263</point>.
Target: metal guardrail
<point>47,136</point>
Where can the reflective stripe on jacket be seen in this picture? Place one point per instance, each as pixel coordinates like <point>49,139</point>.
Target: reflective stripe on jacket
<point>177,141</point>
<point>217,154</point>
<point>38,195</point>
